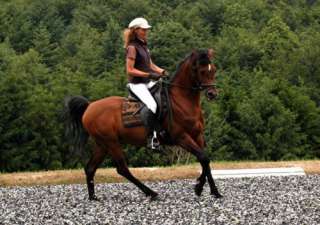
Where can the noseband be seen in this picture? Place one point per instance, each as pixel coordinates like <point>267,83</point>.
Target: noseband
<point>202,87</point>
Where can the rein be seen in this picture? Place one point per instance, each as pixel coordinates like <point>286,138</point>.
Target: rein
<point>199,87</point>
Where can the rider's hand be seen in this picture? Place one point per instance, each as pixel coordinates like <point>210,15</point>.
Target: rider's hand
<point>154,76</point>
<point>165,73</point>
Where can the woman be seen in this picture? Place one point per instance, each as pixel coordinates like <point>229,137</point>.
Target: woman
<point>142,72</point>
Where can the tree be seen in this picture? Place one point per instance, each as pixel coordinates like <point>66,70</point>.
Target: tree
<point>84,45</point>
<point>170,48</point>
<point>267,58</point>
<point>277,40</point>
<point>42,42</point>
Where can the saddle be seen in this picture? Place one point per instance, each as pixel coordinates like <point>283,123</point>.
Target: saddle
<point>132,106</point>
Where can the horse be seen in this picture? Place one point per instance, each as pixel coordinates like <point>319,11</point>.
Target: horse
<point>101,120</point>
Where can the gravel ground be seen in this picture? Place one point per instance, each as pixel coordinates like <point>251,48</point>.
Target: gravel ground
<point>261,200</point>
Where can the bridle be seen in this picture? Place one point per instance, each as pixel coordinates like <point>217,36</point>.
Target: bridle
<point>198,87</point>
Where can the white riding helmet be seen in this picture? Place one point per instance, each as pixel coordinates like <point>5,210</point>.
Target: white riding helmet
<point>139,23</point>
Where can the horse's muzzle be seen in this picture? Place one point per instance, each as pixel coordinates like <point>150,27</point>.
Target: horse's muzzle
<point>211,94</point>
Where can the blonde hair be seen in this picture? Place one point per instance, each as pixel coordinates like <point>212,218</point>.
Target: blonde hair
<point>128,35</point>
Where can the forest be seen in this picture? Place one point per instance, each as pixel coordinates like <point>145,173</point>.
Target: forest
<point>268,74</point>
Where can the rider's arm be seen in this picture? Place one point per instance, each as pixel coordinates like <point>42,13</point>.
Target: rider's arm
<point>130,61</point>
<point>155,68</point>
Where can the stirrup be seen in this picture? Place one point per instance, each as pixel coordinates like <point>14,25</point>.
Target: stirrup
<point>155,143</point>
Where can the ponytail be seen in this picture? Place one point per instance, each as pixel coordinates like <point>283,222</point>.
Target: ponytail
<point>128,35</point>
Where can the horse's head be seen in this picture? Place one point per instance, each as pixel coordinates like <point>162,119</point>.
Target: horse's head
<point>203,72</point>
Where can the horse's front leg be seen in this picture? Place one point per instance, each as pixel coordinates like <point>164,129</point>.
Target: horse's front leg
<point>201,181</point>
<point>190,145</point>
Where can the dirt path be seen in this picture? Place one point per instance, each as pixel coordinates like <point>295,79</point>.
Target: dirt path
<point>109,175</point>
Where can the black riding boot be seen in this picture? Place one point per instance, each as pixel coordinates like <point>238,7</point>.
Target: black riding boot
<point>153,127</point>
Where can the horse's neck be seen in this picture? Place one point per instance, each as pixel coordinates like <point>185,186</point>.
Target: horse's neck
<point>181,93</point>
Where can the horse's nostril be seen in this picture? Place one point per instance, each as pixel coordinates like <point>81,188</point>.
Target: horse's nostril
<point>210,95</point>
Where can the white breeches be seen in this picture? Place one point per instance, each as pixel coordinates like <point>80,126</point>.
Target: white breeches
<point>143,93</point>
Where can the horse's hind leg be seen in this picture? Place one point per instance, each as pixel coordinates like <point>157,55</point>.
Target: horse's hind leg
<point>122,169</point>
<point>90,170</point>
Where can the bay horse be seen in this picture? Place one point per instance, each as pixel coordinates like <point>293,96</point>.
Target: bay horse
<point>102,121</point>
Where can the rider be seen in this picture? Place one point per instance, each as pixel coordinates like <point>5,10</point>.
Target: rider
<point>142,73</point>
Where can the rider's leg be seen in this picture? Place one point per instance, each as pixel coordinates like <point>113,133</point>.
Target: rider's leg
<point>149,116</point>
<point>151,84</point>
<point>143,93</point>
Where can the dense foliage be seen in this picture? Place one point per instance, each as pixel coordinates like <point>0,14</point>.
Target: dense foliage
<point>267,55</point>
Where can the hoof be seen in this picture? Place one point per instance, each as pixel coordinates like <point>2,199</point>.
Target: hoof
<point>198,189</point>
<point>153,196</point>
<point>217,195</point>
<point>94,198</point>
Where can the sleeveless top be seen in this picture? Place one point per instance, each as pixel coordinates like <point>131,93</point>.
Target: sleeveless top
<point>142,61</point>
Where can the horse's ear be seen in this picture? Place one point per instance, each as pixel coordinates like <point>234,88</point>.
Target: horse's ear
<point>211,53</point>
<point>193,53</point>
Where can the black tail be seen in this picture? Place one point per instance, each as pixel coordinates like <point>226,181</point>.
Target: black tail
<point>74,109</point>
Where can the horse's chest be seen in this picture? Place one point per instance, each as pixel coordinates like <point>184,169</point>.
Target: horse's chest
<point>192,125</point>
